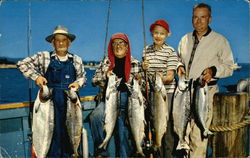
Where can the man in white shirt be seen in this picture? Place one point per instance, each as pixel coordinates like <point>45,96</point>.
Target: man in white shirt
<point>205,53</point>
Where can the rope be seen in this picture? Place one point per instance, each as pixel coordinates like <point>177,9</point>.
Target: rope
<point>231,127</point>
<point>225,129</point>
<point>107,27</point>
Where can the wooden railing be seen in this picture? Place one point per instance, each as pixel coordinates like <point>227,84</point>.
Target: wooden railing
<point>27,104</point>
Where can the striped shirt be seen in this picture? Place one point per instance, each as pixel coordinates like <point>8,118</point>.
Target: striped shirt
<point>160,61</point>
<point>100,74</point>
<point>37,65</point>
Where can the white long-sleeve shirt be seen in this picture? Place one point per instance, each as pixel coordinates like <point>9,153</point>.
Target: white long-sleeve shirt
<point>212,50</point>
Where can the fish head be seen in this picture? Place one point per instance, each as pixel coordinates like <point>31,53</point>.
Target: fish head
<point>45,93</point>
<point>113,82</point>
<point>134,88</point>
<point>199,82</point>
<point>117,82</point>
<point>72,95</point>
<point>183,83</point>
<point>157,82</point>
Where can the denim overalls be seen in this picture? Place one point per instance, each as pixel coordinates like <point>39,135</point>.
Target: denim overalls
<point>59,75</point>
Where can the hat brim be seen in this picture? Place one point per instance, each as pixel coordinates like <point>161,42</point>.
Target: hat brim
<point>51,37</point>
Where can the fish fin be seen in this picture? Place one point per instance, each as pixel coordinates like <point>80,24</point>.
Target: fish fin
<point>140,153</point>
<point>207,132</point>
<point>103,145</point>
<point>165,98</point>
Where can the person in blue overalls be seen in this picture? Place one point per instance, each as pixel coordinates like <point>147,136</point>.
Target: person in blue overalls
<point>59,70</point>
<point>119,62</point>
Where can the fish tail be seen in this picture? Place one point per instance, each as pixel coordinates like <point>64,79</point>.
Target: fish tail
<point>207,132</point>
<point>104,144</point>
<point>140,152</point>
<point>182,145</point>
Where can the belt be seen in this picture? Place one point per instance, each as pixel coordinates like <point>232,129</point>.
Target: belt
<point>212,83</point>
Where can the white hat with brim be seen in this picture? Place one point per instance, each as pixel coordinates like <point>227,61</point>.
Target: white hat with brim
<point>60,30</point>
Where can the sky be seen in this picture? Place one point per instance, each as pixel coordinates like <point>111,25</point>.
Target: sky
<point>87,20</point>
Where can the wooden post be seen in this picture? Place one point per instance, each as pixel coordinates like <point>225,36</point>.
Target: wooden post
<point>230,109</point>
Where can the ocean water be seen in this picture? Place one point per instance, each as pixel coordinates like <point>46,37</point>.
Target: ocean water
<point>15,88</point>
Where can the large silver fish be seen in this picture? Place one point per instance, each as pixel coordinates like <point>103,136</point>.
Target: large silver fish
<point>181,111</point>
<point>159,110</point>
<point>110,109</point>
<point>74,120</point>
<point>136,106</point>
<point>201,105</point>
<point>43,122</point>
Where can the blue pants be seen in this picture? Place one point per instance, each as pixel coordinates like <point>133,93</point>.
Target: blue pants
<point>123,137</point>
<point>60,146</point>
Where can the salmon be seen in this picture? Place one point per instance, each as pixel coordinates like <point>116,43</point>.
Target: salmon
<point>136,107</point>
<point>43,122</point>
<point>159,111</point>
<point>201,105</point>
<point>110,111</point>
<point>74,120</point>
<point>181,111</point>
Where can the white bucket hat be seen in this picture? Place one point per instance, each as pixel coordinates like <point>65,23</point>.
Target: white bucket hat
<point>60,30</point>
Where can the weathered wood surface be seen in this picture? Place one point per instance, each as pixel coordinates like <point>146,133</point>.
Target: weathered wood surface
<point>230,109</point>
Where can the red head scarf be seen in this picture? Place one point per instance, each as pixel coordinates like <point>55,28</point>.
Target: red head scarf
<point>112,56</point>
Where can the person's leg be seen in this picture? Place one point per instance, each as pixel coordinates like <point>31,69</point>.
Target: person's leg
<point>96,126</point>
<point>60,145</point>
<point>123,137</point>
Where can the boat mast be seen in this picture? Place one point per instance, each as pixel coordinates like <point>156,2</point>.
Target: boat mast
<point>29,45</point>
<point>107,28</point>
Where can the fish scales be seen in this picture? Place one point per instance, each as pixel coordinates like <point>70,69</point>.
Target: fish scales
<point>136,106</point>
<point>202,106</point>
<point>181,111</point>
<point>159,110</point>
<point>110,111</point>
<point>74,120</point>
<point>43,122</point>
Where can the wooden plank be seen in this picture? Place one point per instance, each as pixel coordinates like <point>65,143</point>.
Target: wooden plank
<point>27,104</point>
<point>228,110</point>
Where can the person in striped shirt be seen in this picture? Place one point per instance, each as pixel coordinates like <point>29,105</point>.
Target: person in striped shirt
<point>161,58</point>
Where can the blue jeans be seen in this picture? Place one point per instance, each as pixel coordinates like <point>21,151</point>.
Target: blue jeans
<point>122,133</point>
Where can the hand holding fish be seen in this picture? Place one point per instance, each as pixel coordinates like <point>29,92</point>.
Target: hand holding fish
<point>40,81</point>
<point>207,75</point>
<point>110,73</point>
<point>169,77</point>
<point>138,77</point>
<point>75,86</point>
<point>181,71</point>
<point>145,65</point>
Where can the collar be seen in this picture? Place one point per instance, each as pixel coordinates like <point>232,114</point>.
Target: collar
<point>68,54</point>
<point>162,46</point>
<point>208,31</point>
